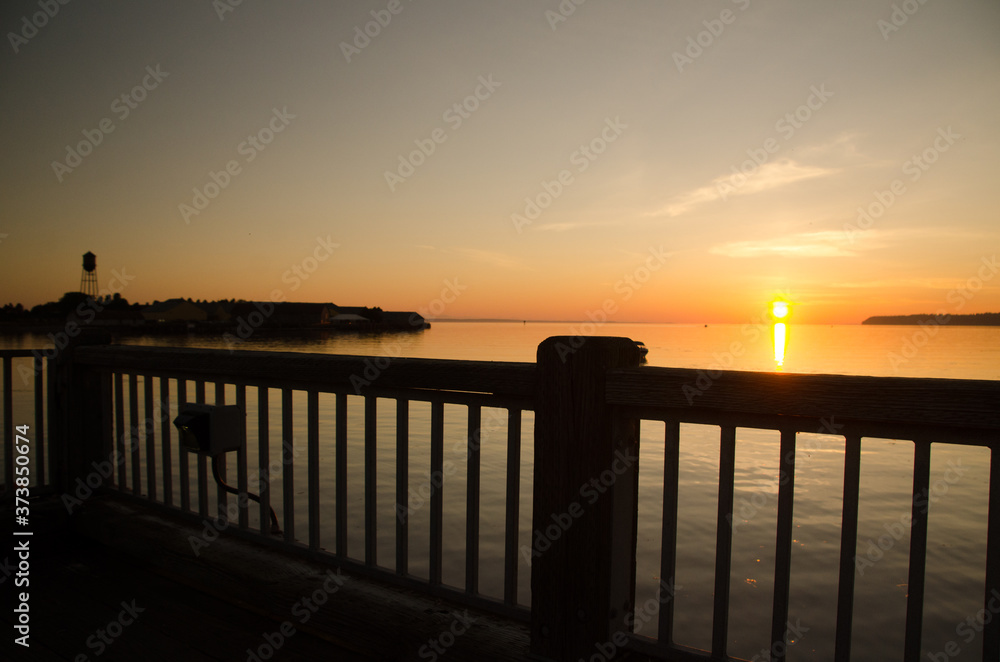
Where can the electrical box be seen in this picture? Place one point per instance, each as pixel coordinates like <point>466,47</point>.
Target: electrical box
<point>210,429</point>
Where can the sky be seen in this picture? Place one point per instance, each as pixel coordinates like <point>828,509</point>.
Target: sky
<point>677,162</point>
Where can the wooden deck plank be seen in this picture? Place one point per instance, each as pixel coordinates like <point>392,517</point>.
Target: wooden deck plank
<point>79,585</point>
<point>362,619</point>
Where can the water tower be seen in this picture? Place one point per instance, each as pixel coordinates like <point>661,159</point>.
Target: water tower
<point>88,279</point>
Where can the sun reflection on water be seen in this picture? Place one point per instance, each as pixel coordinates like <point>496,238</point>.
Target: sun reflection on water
<point>779,311</point>
<point>779,345</point>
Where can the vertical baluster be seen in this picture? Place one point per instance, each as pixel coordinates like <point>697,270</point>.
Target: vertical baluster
<point>783,546</point>
<point>918,549</point>
<point>668,551</point>
<point>107,427</point>
<point>513,506</point>
<point>43,475</point>
<point>288,468</point>
<point>341,468</point>
<point>241,460</point>
<point>183,463</point>
<point>264,458</point>
<point>437,495</point>
<point>133,433</point>
<point>402,486</point>
<point>371,481</point>
<point>848,548</point>
<point>724,541</point>
<point>312,441</point>
<point>221,496</point>
<point>150,433</point>
<point>199,394</point>
<point>165,441</point>
<point>472,501</point>
<point>120,433</point>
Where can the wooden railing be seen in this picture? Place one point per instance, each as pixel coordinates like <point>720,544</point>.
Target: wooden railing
<point>924,411</point>
<point>166,371</point>
<point>588,396</point>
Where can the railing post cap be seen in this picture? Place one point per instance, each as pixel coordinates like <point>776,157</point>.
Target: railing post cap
<point>563,348</point>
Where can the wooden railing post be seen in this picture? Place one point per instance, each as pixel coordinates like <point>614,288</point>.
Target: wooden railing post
<point>78,422</point>
<point>585,502</point>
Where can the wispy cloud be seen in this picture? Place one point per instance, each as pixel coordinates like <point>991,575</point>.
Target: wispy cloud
<point>494,258</point>
<point>808,244</point>
<point>926,283</point>
<point>767,177</point>
<point>574,225</point>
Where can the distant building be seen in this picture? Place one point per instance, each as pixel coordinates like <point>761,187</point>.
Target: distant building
<point>303,314</point>
<point>119,318</point>
<point>174,310</point>
<point>285,314</point>
<point>349,319</point>
<point>216,311</point>
<point>403,320</point>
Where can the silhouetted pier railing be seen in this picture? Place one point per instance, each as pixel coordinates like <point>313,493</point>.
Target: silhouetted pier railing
<point>588,396</point>
<point>24,370</point>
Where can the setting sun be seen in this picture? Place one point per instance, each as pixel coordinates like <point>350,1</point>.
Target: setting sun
<point>779,309</point>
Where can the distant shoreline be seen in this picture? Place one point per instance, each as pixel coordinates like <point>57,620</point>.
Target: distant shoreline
<point>979,319</point>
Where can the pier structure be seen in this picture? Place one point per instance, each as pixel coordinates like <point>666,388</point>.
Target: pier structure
<point>103,451</point>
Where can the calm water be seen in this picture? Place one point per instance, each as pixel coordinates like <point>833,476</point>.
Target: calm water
<point>956,558</point>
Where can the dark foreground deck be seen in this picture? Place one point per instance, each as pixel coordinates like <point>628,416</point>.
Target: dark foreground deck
<point>113,562</point>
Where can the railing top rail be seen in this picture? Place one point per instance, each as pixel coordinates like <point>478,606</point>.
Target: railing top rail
<point>321,371</point>
<point>958,404</point>
<point>954,403</point>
